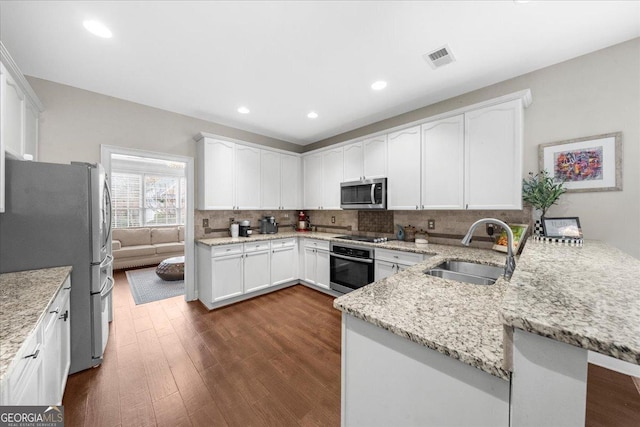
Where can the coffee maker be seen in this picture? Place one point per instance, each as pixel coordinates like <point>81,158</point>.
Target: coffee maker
<point>268,225</point>
<point>245,228</point>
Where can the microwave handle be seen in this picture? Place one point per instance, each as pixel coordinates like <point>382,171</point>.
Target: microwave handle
<point>373,194</point>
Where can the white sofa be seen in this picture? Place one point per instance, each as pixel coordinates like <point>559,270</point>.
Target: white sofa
<point>136,247</point>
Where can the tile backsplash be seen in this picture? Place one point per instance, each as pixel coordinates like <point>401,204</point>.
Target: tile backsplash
<point>450,226</point>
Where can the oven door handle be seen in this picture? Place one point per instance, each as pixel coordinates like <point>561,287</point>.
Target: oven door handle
<point>362,260</point>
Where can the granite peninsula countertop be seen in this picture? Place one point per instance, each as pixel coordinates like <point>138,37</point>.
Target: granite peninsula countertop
<point>24,297</point>
<point>256,237</point>
<point>460,320</point>
<point>585,296</point>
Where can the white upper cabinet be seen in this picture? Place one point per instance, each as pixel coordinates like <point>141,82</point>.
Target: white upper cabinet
<point>353,162</point>
<point>443,164</point>
<point>235,176</point>
<point>216,174</point>
<point>270,178</point>
<point>323,173</point>
<point>493,156</point>
<point>403,154</point>
<point>366,159</point>
<point>375,157</point>
<point>290,182</point>
<point>280,181</point>
<point>332,175</point>
<point>247,171</point>
<point>312,166</point>
<point>13,116</point>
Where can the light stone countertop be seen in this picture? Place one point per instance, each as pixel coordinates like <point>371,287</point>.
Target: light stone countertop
<point>460,320</point>
<point>256,237</point>
<point>585,296</point>
<point>24,298</point>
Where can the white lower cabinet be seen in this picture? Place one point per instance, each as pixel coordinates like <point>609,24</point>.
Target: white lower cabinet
<point>316,262</point>
<point>389,262</point>
<point>284,261</point>
<point>257,266</point>
<point>230,271</point>
<point>38,373</point>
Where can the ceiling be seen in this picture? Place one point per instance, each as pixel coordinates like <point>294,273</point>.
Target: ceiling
<point>285,59</point>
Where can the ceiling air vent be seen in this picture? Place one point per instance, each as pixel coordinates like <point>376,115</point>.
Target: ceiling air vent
<point>439,57</point>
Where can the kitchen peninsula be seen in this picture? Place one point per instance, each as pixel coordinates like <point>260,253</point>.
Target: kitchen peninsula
<point>559,301</point>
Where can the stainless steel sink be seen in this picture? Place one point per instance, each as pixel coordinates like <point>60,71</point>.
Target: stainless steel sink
<point>468,272</point>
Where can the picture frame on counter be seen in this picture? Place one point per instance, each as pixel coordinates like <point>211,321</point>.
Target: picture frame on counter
<point>519,235</point>
<point>592,163</point>
<point>564,228</point>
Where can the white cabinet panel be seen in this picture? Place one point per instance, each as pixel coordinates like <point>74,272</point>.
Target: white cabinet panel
<point>31,131</point>
<point>494,157</point>
<point>332,173</point>
<point>283,261</point>
<point>310,263</point>
<point>257,271</point>
<point>384,269</point>
<point>322,268</point>
<point>247,172</point>
<point>443,164</point>
<point>375,157</point>
<point>290,182</point>
<point>353,162</point>
<point>13,116</point>
<point>270,179</point>
<point>227,277</point>
<point>313,181</point>
<point>404,160</point>
<point>216,174</point>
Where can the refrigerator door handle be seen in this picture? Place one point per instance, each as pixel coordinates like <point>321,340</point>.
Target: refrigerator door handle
<point>108,288</point>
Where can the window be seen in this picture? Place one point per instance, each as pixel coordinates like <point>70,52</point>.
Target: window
<point>144,199</point>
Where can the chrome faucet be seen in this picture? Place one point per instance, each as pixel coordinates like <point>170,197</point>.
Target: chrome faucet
<point>510,264</point>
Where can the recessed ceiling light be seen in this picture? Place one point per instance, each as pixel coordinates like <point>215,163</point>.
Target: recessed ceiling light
<point>312,115</point>
<point>97,28</point>
<point>379,85</point>
<point>243,110</point>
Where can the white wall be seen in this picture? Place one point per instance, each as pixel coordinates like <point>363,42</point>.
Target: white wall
<point>590,95</point>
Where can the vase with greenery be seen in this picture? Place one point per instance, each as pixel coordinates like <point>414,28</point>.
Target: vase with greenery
<point>541,191</point>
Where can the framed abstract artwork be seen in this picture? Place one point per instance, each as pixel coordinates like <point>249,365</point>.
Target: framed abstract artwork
<point>593,163</point>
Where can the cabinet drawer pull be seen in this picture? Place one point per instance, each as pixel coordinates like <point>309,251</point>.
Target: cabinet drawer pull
<point>33,355</point>
<point>67,288</point>
<point>56,311</point>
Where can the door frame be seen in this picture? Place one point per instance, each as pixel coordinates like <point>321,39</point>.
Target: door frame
<point>189,246</point>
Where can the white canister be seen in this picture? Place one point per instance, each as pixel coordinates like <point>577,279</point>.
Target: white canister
<point>235,230</point>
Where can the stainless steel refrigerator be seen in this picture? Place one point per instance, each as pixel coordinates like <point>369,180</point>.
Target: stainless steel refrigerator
<point>59,214</point>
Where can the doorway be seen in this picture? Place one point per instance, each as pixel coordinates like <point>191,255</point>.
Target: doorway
<point>182,167</point>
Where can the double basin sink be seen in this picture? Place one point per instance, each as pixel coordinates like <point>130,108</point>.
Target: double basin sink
<point>468,272</point>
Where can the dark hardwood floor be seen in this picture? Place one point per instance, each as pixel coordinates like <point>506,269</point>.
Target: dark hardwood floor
<point>269,361</point>
<point>273,360</point>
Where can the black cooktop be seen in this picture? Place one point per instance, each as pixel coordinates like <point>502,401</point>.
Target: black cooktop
<point>364,239</point>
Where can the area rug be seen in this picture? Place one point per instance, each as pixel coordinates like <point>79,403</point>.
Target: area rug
<point>146,286</point>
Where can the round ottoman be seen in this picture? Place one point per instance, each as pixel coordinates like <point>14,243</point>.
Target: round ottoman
<point>171,268</point>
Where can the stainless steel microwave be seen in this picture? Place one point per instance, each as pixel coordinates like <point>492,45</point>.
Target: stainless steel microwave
<point>366,194</point>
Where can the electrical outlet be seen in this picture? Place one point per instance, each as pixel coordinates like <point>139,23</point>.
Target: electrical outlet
<point>205,222</point>
<point>231,219</point>
<point>286,215</point>
<point>431,224</point>
<point>333,220</point>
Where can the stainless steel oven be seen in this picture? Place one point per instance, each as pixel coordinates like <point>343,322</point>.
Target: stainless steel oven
<point>351,267</point>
